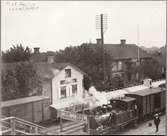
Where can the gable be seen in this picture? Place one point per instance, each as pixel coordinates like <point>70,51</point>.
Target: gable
<point>49,71</point>
<point>74,73</point>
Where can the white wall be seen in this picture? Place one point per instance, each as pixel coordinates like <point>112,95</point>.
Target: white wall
<point>61,76</point>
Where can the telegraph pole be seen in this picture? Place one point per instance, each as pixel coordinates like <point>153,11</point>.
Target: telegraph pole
<point>138,51</point>
<point>101,22</point>
<point>102,44</point>
<point>102,25</point>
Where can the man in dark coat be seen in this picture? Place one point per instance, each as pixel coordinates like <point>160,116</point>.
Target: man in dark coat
<point>156,121</point>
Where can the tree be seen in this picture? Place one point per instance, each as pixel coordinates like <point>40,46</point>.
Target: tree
<point>16,53</point>
<point>29,81</point>
<point>151,69</point>
<point>19,81</point>
<point>9,84</point>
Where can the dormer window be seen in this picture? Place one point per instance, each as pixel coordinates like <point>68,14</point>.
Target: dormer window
<point>67,73</point>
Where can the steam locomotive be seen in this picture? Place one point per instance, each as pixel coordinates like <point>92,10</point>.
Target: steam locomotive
<point>133,108</point>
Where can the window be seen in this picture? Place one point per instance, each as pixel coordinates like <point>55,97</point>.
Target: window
<point>114,66</point>
<point>119,65</point>
<point>67,72</point>
<point>74,80</point>
<point>63,92</point>
<point>62,82</point>
<point>74,89</point>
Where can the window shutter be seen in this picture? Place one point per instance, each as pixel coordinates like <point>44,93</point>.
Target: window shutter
<point>59,92</point>
<point>68,91</point>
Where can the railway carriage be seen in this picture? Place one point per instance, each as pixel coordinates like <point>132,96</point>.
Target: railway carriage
<point>149,101</point>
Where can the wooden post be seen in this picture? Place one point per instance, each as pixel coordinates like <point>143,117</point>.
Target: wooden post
<point>88,122</point>
<point>12,121</point>
<point>31,130</point>
<point>36,130</point>
<point>82,108</point>
<point>61,123</point>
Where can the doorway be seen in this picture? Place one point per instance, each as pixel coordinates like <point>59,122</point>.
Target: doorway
<point>157,101</point>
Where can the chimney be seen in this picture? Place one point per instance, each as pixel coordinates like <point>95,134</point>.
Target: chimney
<point>50,59</point>
<point>36,50</point>
<point>99,41</point>
<point>123,41</point>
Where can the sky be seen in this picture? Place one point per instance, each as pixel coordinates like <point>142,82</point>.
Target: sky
<point>54,25</point>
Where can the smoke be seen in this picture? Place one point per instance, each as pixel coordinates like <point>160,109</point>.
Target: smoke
<point>99,96</point>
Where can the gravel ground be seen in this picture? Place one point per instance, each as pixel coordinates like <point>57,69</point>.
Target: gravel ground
<point>141,129</point>
<point>144,129</point>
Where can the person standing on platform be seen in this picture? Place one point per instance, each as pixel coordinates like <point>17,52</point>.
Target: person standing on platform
<point>156,121</point>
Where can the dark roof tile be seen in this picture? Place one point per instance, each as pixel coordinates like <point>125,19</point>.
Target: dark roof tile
<point>119,51</point>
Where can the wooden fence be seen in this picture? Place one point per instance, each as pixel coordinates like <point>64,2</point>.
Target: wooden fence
<point>16,126</point>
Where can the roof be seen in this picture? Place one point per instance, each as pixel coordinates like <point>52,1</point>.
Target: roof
<point>125,99</point>
<point>119,51</point>
<point>127,51</point>
<point>147,91</point>
<point>22,100</point>
<point>120,92</point>
<point>45,69</point>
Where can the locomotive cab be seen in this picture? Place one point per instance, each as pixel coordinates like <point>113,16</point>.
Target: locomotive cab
<point>123,104</point>
<point>124,110</point>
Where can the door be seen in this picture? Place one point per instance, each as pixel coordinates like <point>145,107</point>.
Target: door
<point>152,103</point>
<point>46,110</point>
<point>157,101</point>
<point>148,104</point>
<point>144,105</point>
<point>28,112</point>
<point>162,100</point>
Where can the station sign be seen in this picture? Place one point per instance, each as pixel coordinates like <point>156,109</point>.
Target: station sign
<point>77,108</point>
<point>72,116</point>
